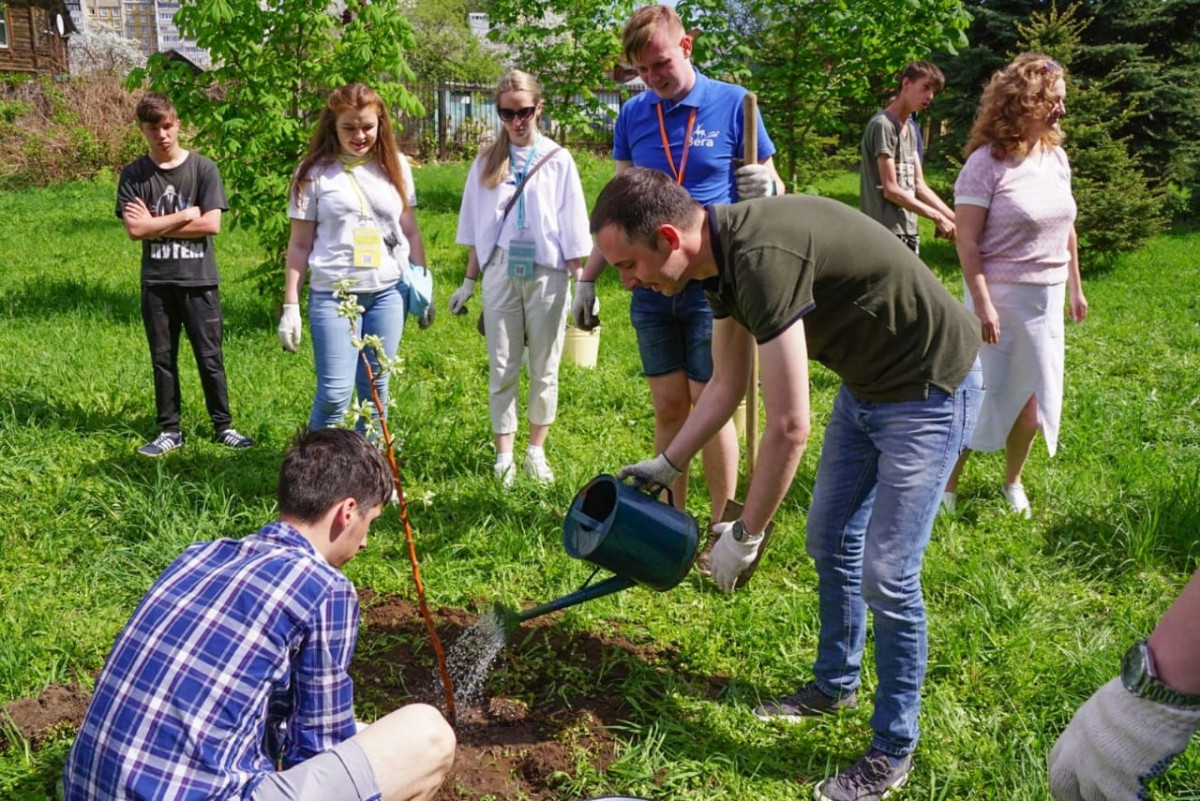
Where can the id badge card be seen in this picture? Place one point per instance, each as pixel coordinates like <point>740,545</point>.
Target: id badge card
<point>520,259</point>
<point>368,247</point>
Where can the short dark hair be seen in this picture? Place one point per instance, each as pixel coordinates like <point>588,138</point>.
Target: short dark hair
<point>326,465</point>
<point>639,200</point>
<point>916,70</point>
<point>154,108</point>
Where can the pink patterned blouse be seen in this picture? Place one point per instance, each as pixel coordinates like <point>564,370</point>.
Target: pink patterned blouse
<point>1030,214</point>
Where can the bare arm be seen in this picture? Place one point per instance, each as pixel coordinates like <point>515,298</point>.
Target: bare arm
<point>731,350</point>
<point>1079,304</point>
<point>1175,642</point>
<point>595,262</point>
<point>300,246</point>
<point>971,220</point>
<point>207,224</point>
<point>141,224</point>
<point>412,232</point>
<point>784,370</point>
<point>894,193</point>
<point>930,198</point>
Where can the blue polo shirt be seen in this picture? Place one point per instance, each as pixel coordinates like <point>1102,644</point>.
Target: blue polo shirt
<point>717,137</point>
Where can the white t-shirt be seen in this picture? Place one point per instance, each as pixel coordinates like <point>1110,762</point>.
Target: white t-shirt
<point>329,198</point>
<point>556,218</point>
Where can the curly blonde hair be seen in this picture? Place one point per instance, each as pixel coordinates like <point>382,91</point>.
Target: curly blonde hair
<point>1014,98</point>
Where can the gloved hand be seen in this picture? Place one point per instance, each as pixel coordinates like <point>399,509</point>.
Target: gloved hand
<point>289,327</point>
<point>652,475</point>
<point>730,557</point>
<point>754,180</point>
<point>585,309</point>
<point>1115,743</point>
<point>458,301</point>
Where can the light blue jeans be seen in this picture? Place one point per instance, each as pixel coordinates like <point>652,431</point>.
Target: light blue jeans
<point>882,473</point>
<point>340,370</point>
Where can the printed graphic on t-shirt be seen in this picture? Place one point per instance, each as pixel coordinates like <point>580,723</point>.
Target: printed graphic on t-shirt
<point>169,202</point>
<point>906,176</point>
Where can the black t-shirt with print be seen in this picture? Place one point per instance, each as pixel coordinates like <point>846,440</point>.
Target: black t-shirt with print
<point>195,182</point>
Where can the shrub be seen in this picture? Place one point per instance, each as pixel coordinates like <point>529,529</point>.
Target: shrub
<point>52,132</point>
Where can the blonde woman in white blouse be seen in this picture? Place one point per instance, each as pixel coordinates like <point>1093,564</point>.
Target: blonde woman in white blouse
<point>527,247</point>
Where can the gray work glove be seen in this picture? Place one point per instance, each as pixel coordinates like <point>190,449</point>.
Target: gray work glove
<point>731,557</point>
<point>754,180</point>
<point>652,475</point>
<point>458,301</point>
<point>585,309</point>
<point>289,327</point>
<point>1116,743</point>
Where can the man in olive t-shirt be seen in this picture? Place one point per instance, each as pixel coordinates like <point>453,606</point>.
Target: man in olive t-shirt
<point>905,350</point>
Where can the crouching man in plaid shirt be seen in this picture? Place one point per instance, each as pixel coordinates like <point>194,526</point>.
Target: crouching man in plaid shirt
<point>230,680</point>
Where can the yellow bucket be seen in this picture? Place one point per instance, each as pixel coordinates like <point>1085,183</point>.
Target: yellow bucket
<point>582,347</point>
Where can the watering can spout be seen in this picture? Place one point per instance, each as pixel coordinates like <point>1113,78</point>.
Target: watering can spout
<point>511,618</point>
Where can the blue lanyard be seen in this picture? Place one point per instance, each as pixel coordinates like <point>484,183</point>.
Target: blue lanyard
<point>519,176</point>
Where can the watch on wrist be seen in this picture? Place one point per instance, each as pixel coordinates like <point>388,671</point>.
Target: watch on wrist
<point>740,534</point>
<point>1139,677</point>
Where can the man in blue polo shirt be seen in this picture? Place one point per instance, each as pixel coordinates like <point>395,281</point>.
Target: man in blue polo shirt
<point>690,127</point>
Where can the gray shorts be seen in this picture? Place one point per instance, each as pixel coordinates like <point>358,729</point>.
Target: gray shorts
<point>340,774</point>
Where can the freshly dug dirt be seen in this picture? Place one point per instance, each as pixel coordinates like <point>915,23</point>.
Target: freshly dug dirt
<point>544,711</point>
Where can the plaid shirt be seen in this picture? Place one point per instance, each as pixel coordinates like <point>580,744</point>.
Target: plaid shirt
<point>234,662</point>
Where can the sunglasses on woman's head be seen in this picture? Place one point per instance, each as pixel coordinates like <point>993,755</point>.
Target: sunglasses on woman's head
<point>522,114</point>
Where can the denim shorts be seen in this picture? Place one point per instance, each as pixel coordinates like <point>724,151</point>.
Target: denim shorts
<point>674,332</point>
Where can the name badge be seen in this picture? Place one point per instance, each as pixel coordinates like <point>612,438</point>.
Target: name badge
<point>520,259</point>
<point>368,247</point>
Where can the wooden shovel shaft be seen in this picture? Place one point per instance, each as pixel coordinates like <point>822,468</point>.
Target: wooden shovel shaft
<point>750,156</point>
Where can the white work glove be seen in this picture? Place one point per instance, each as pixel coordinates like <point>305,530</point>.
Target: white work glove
<point>1115,743</point>
<point>754,180</point>
<point>289,327</point>
<point>730,558</point>
<point>652,475</point>
<point>458,301</point>
<point>585,309</point>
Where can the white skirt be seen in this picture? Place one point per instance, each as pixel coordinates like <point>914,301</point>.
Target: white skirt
<point>1026,362</point>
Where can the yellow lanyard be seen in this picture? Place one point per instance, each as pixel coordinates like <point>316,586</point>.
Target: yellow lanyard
<point>348,165</point>
<point>687,142</point>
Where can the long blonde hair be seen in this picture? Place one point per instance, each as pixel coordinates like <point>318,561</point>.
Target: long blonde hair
<point>324,147</point>
<point>1014,98</point>
<point>496,168</point>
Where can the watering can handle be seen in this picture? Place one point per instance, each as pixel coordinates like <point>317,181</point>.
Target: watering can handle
<point>652,488</point>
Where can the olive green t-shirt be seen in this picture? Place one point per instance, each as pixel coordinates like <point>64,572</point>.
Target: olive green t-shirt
<point>873,312</point>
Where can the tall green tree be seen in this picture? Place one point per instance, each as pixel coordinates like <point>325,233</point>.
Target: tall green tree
<point>809,61</point>
<point>445,49</point>
<point>273,66</point>
<point>571,46</point>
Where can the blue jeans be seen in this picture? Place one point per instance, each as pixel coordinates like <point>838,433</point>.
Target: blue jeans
<point>340,370</point>
<point>882,473</point>
<point>674,332</point>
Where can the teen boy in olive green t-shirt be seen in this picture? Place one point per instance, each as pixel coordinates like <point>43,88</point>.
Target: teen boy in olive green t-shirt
<point>905,350</point>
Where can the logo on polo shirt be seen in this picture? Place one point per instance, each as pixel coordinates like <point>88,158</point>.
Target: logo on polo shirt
<point>703,138</point>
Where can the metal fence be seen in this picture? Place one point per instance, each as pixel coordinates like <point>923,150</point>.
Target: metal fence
<point>461,118</point>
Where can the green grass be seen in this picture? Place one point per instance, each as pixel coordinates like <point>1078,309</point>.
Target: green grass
<point>1026,619</point>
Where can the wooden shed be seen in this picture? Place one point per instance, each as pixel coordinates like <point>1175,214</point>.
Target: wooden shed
<point>33,36</point>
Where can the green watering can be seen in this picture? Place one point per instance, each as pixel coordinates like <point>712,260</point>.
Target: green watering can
<point>618,527</point>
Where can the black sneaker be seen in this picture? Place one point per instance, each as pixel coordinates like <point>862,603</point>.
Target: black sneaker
<point>807,703</point>
<point>161,445</point>
<point>871,778</point>
<point>230,438</point>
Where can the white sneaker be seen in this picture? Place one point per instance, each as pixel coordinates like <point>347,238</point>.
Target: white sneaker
<point>1018,504</point>
<point>506,472</point>
<point>537,468</point>
<point>949,502</point>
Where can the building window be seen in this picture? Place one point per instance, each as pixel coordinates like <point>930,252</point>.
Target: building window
<point>4,28</point>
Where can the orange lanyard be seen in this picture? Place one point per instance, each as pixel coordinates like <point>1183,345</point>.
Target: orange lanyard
<point>687,143</point>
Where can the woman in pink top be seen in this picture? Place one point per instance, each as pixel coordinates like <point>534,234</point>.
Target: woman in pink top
<point>1017,246</point>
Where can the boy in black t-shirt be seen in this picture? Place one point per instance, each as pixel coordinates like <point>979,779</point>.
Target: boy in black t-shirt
<point>171,200</point>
